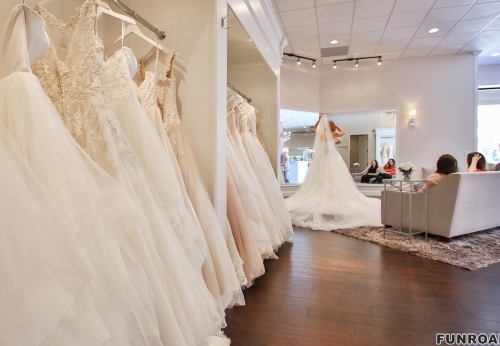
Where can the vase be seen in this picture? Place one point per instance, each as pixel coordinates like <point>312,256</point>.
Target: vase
<point>407,175</point>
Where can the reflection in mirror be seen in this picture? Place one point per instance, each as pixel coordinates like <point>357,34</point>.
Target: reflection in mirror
<point>369,135</point>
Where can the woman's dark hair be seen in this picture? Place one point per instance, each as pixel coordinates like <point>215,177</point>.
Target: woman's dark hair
<point>376,163</point>
<point>481,164</point>
<point>447,164</point>
<point>393,163</point>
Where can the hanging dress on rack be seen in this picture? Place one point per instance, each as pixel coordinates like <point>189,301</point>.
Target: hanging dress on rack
<point>272,226</point>
<point>115,307</point>
<point>224,261</point>
<point>76,87</point>
<point>263,169</point>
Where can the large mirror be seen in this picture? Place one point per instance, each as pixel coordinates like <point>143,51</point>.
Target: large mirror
<point>369,135</point>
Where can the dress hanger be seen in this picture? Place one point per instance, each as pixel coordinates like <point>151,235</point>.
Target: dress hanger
<point>134,29</point>
<point>103,8</point>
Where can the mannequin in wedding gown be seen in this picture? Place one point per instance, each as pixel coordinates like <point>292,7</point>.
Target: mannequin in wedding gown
<point>329,198</point>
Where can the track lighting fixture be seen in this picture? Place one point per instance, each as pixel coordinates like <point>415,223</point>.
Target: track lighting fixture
<point>298,61</point>
<point>356,60</point>
<point>299,58</point>
<point>314,64</point>
<point>281,59</point>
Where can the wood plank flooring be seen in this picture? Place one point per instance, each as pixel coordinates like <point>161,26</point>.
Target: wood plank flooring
<point>330,289</point>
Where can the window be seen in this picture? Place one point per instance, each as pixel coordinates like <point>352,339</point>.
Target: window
<point>488,124</point>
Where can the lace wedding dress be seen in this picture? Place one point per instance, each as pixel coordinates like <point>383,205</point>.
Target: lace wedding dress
<point>115,307</point>
<point>184,309</point>
<point>227,262</point>
<point>118,73</point>
<point>263,169</point>
<point>329,199</point>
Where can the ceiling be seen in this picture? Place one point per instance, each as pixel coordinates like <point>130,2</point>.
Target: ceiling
<point>391,28</point>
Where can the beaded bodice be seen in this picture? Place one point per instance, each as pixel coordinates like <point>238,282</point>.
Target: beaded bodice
<point>119,70</point>
<point>167,100</point>
<point>76,85</point>
<point>147,91</point>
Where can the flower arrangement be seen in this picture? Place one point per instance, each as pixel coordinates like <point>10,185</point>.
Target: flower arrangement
<point>407,169</point>
<point>356,164</point>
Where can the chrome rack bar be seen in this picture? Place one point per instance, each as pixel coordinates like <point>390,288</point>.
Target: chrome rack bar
<point>230,86</point>
<point>160,34</point>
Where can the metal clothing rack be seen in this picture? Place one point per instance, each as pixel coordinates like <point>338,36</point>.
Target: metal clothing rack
<point>230,86</point>
<point>160,34</point>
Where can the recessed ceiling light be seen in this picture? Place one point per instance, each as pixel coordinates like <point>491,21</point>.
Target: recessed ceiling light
<point>433,30</point>
<point>334,41</point>
<point>495,54</point>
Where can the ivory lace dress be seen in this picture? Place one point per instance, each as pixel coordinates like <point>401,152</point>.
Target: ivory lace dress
<point>76,87</point>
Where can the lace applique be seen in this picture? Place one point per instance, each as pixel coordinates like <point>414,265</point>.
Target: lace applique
<point>173,216</point>
<point>119,70</point>
<point>236,259</point>
<point>76,86</point>
<point>146,92</point>
<point>167,100</point>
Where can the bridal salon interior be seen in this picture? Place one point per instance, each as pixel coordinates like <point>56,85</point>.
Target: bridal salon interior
<point>249,172</point>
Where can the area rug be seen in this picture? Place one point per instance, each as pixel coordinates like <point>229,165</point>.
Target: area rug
<point>471,251</point>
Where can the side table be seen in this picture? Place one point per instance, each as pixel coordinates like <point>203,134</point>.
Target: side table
<point>410,187</point>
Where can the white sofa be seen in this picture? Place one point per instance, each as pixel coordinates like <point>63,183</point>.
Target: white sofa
<point>462,203</point>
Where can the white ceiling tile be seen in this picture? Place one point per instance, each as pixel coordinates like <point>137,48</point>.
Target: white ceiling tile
<point>473,46</point>
<point>335,28</point>
<point>425,42</point>
<point>310,53</point>
<point>482,1</point>
<point>390,55</point>
<point>289,5</point>
<point>489,61</point>
<point>403,20</point>
<point>362,50</point>
<point>329,60</point>
<point>399,34</point>
<point>369,24</point>
<point>301,32</point>
<point>489,53</point>
<point>451,49</point>
<point>444,28</point>
<point>457,39</point>
<point>494,26</point>
<point>443,15</point>
<point>299,17</point>
<point>344,40</point>
<point>467,26</point>
<point>393,45</point>
<point>310,43</point>
<point>335,13</point>
<point>451,3</point>
<point>486,10</point>
<point>366,37</point>
<point>330,2</point>
<point>409,53</point>
<point>488,36</point>
<point>404,6</point>
<point>371,8</point>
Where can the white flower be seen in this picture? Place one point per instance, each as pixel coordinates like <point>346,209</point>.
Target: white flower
<point>356,164</point>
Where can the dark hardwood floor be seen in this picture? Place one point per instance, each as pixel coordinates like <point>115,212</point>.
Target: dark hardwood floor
<point>330,289</point>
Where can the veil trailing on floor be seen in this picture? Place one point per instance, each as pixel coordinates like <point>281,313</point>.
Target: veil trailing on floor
<point>329,199</point>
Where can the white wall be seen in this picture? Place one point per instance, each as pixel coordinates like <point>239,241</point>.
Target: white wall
<point>441,88</point>
<point>488,75</point>
<point>302,141</point>
<point>299,86</point>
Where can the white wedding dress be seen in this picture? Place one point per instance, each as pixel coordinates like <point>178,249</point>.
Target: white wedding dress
<point>115,307</point>
<point>184,309</point>
<point>329,199</point>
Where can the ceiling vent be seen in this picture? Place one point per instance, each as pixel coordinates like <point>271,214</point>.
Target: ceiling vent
<point>334,51</point>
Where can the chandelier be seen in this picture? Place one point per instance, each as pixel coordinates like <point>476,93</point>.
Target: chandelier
<point>285,136</point>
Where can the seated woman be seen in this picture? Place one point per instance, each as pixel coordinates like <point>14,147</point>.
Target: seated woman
<point>390,171</point>
<point>446,164</point>
<point>476,162</point>
<point>370,172</point>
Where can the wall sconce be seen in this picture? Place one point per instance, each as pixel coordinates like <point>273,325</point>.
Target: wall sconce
<point>412,119</point>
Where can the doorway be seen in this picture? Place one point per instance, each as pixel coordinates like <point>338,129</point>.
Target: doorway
<point>358,150</point>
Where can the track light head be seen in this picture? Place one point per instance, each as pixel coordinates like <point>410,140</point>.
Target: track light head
<point>356,64</point>
<point>314,64</point>
<point>334,64</point>
<point>379,61</point>
<point>298,61</point>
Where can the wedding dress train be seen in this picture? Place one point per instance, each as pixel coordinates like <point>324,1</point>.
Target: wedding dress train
<point>329,199</point>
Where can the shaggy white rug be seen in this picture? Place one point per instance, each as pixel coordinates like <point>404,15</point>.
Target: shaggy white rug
<point>471,251</point>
